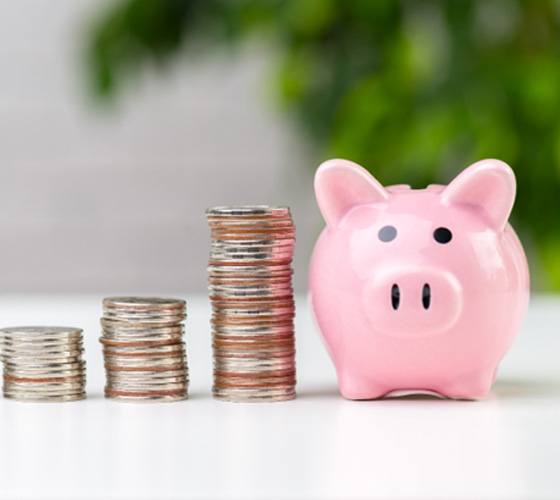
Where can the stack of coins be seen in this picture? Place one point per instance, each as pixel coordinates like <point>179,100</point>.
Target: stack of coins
<point>250,283</point>
<point>143,348</point>
<point>43,363</point>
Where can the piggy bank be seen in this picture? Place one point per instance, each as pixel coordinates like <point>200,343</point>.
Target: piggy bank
<point>417,289</point>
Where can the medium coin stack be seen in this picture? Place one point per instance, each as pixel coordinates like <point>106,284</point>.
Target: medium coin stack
<point>143,348</point>
<point>43,363</point>
<point>250,283</point>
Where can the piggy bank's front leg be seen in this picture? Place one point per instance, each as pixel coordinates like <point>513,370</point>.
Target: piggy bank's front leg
<point>474,386</point>
<point>353,385</point>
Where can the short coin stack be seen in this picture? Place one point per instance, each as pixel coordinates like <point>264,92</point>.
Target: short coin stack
<point>43,363</point>
<point>250,283</point>
<point>143,348</point>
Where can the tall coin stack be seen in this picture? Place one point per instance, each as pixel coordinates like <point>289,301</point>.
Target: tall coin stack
<point>143,348</point>
<point>43,363</point>
<point>250,283</point>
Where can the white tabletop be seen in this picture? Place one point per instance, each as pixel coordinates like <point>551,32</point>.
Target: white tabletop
<point>319,445</point>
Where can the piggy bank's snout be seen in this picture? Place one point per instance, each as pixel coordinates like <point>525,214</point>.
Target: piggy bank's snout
<point>426,296</point>
<point>413,302</point>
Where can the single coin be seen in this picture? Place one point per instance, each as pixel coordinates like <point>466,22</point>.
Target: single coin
<point>41,331</point>
<point>247,210</point>
<point>143,303</point>
<point>253,395</point>
<point>24,396</point>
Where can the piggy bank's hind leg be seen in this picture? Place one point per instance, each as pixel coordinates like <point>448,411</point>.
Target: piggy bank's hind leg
<point>474,386</point>
<point>355,386</point>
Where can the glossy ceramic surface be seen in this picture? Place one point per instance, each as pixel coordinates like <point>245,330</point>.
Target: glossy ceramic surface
<point>417,289</point>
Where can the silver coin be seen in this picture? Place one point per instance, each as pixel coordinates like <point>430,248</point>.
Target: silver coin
<point>143,303</point>
<point>240,241</point>
<point>25,392</point>
<point>262,294</point>
<point>149,373</point>
<point>253,312</point>
<point>263,239</point>
<point>252,395</point>
<point>144,320</point>
<point>146,337</point>
<point>43,363</point>
<point>30,365</point>
<point>251,366</point>
<point>40,361</point>
<point>123,361</point>
<point>148,385</point>
<point>140,353</point>
<point>254,366</point>
<point>143,398</point>
<point>145,316</point>
<point>249,258</point>
<point>258,270</point>
<point>44,385</point>
<point>248,210</point>
<point>143,334</point>
<point>36,342</point>
<point>152,385</point>
<point>115,324</point>
<point>223,358</point>
<point>232,289</point>
<point>220,335</point>
<point>43,354</point>
<point>284,244</point>
<point>160,377</point>
<point>19,375</point>
<point>35,347</point>
<point>23,396</point>
<point>251,294</point>
<point>253,329</point>
<point>65,363</point>
<point>124,328</point>
<point>249,227</point>
<point>143,351</point>
<point>269,251</point>
<point>41,331</point>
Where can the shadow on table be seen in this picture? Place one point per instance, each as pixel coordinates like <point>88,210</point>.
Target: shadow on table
<point>523,388</point>
<point>93,395</point>
<point>508,388</point>
<point>318,393</point>
<point>332,392</point>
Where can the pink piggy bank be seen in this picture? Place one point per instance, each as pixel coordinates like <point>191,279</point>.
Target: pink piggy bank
<point>417,289</point>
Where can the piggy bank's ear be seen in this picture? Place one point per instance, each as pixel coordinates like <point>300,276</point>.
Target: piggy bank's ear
<point>487,186</point>
<point>341,185</point>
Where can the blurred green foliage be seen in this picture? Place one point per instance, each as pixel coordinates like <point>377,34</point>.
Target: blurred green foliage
<point>415,90</point>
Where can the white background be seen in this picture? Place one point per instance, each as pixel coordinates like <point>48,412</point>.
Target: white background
<point>318,446</point>
<point>114,199</point>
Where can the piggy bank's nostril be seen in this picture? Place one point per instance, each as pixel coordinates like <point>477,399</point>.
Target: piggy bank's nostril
<point>395,296</point>
<point>426,296</point>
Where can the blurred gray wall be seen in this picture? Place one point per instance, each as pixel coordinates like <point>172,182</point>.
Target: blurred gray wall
<point>114,200</point>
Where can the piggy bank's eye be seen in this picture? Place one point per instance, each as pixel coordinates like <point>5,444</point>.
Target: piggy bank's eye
<point>442,235</point>
<point>387,233</point>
